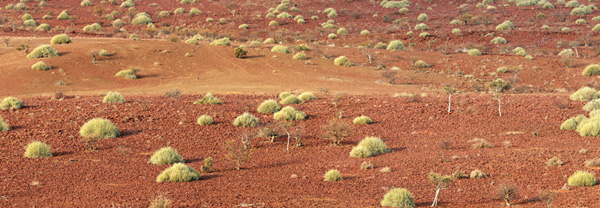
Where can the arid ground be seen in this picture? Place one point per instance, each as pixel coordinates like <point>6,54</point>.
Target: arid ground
<point>408,104</point>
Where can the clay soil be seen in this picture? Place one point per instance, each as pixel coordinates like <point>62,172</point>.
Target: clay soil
<point>422,136</point>
<point>118,173</point>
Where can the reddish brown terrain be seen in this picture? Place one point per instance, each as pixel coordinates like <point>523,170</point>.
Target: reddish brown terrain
<point>421,134</point>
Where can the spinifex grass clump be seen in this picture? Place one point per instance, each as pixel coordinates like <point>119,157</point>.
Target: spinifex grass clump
<point>11,103</point>
<point>208,99</point>
<point>245,120</point>
<point>289,113</point>
<point>368,147</point>
<point>165,155</point>
<point>43,51</point>
<point>398,197</point>
<point>269,106</point>
<point>37,150</point>
<point>333,175</point>
<point>113,97</point>
<point>60,39</point>
<point>179,172</point>
<point>130,73</point>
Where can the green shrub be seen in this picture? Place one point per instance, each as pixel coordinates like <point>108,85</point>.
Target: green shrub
<point>421,64</point>
<point>103,53</point>
<point>332,36</point>
<point>118,23</point>
<point>289,113</point>
<point>398,197</point>
<point>99,128</point>
<point>222,21</point>
<point>273,23</point>
<point>142,18</point>
<point>95,27</point>
<point>474,52</point>
<point>298,17</point>
<point>328,26</point>
<point>46,17</point>
<point>395,45</point>
<point>299,56</point>
<point>37,150</point>
<point>60,39</point>
<point>134,37</point>
<point>572,3</point>
<point>591,70</point>
<point>395,4</point>
<point>208,99</point>
<point>565,29</point>
<point>368,147</point>
<point>582,178</point>
<point>547,5</point>
<point>195,11</point>
<point>424,34</point>
<point>456,22</point>
<point>185,2</point>
<point>502,69</point>
<point>584,94</point>
<point>85,3</point>
<point>179,172</point>
<point>333,175</point>
<point>589,127</point>
<point>305,96</point>
<point>26,17</point>
<point>191,41</point>
<point>566,52</point>
<point>11,103</point>
<point>456,31</point>
<point>284,15</point>
<point>580,21</point>
<point>29,23</point>
<point>332,14</point>
<point>403,10</point>
<point>342,61</point>
<point>596,28</point>
<point>284,95</point>
<point>498,40</point>
<point>380,45</point>
<point>365,32</point>
<point>126,4</point>
<point>422,17</point>
<point>205,120</point>
<point>592,105</point>
<point>127,73</point>
<point>245,120</point>
<point>109,17</point>
<point>64,15</point>
<point>42,51</point>
<point>506,25</point>
<point>362,120</point>
<point>269,106</point>
<point>9,7</point>
<point>3,125</point>
<point>221,42</point>
<point>290,100</point>
<point>165,155</point>
<point>519,51</point>
<point>164,14</point>
<point>421,26</point>
<point>301,21</point>
<point>113,97</point>
<point>243,26</point>
<point>40,66</point>
<point>280,49</point>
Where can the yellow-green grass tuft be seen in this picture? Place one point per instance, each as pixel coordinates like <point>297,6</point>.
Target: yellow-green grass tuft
<point>584,94</point>
<point>208,99</point>
<point>113,97</point>
<point>245,120</point>
<point>179,172</point>
<point>221,42</point>
<point>165,155</point>
<point>395,45</point>
<point>280,49</point>
<point>128,73</point>
<point>290,100</point>
<point>299,56</point>
<point>333,175</point>
<point>99,128</point>
<point>37,150</point>
<point>11,103</point>
<point>60,39</point>
<point>43,51</point>
<point>305,96</point>
<point>342,61</point>
<point>591,70</point>
<point>205,120</point>
<point>40,66</point>
<point>289,113</point>
<point>572,123</point>
<point>582,178</point>
<point>398,197</point>
<point>269,106</point>
<point>362,120</point>
<point>369,146</point>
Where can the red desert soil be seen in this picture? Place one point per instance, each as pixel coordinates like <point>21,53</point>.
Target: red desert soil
<point>117,174</point>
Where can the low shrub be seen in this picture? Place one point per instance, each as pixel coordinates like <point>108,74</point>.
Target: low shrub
<point>368,147</point>
<point>572,4</point>
<point>245,120</point>
<point>421,26</point>
<point>85,3</point>
<point>305,96</point>
<point>37,150</point>
<point>103,53</point>
<point>195,11</point>
<point>128,73</point>
<point>26,16</point>
<point>362,120</point>
<point>205,120</point>
<point>421,64</point>
<point>506,25</point>
<point>290,100</point>
<point>332,36</point>
<point>365,32</point>
<point>502,69</point>
<point>40,66</point>
<point>498,40</point>
<point>342,31</point>
<point>269,106</point>
<point>398,197</point>
<point>60,39</point>
<point>474,52</point>
<point>3,125</point>
<point>243,26</point>
<point>591,70</point>
<point>456,31</point>
<point>283,95</point>
<point>208,99</point>
<point>593,163</point>
<point>299,56</point>
<point>64,15</point>
<point>179,172</point>
<point>221,42</point>
<point>582,178</point>
<point>113,97</point>
<point>333,175</point>
<point>29,23</point>
<point>342,61</point>
<point>11,103</point>
<point>273,23</point>
<point>95,27</point>
<point>566,52</point>
<point>395,45</point>
<point>589,127</point>
<point>422,17</point>
<point>127,3</point>
<point>43,27</point>
<point>43,51</point>
<point>554,161</point>
<point>477,174</point>
<point>572,123</point>
<point>280,49</point>
<point>141,19</point>
<point>584,94</point>
<point>99,128</point>
<point>165,155</point>
<point>289,113</point>
<point>596,28</point>
<point>284,15</point>
<point>519,51</point>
